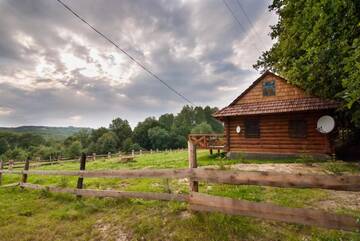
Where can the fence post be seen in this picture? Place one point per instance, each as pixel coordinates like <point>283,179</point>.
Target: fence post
<point>94,156</point>
<point>1,168</point>
<point>140,151</point>
<point>10,164</point>
<point>194,185</point>
<point>82,168</point>
<point>109,155</point>
<point>132,153</point>
<point>150,151</point>
<point>26,168</point>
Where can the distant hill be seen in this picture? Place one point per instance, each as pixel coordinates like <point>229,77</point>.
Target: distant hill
<point>58,133</point>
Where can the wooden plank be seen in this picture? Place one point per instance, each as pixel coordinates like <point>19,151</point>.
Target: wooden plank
<point>204,202</point>
<point>10,185</point>
<point>26,168</point>
<point>109,193</point>
<point>277,179</point>
<point>227,133</point>
<point>136,173</point>
<point>194,185</point>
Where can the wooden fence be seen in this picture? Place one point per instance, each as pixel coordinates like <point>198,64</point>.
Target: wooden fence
<point>20,164</point>
<point>203,202</point>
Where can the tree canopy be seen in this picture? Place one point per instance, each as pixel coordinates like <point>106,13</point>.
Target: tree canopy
<point>169,131</point>
<point>318,49</point>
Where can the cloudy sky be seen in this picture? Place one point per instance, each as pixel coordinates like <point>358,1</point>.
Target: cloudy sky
<point>55,71</point>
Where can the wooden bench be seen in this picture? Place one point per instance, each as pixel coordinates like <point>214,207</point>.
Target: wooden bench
<point>125,159</point>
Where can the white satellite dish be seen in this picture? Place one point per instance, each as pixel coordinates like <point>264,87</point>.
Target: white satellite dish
<point>325,124</point>
<point>238,129</point>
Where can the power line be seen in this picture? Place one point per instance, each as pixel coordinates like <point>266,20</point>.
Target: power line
<point>249,20</point>
<point>238,22</point>
<point>126,53</point>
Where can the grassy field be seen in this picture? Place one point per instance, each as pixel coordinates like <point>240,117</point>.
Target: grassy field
<point>40,215</point>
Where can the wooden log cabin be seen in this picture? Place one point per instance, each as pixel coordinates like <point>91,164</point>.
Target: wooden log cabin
<point>273,119</point>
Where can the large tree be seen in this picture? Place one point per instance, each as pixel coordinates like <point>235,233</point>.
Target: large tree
<point>122,130</point>
<point>140,134</point>
<point>159,138</point>
<point>107,143</point>
<point>318,48</point>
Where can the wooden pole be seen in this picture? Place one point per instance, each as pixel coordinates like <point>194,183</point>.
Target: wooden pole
<point>194,185</point>
<point>94,156</point>
<point>1,168</point>
<point>109,155</point>
<point>132,153</point>
<point>26,168</point>
<point>10,164</point>
<point>82,168</point>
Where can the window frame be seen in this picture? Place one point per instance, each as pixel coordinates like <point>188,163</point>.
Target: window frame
<point>298,131</point>
<point>249,125</point>
<point>265,87</point>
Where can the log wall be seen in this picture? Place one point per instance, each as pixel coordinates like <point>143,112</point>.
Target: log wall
<point>274,135</point>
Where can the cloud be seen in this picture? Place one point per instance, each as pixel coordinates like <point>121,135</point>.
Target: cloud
<point>56,71</point>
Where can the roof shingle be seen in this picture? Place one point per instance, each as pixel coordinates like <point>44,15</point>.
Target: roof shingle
<point>277,106</point>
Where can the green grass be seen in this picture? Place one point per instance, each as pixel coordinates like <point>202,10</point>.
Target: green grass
<point>341,167</point>
<point>40,215</point>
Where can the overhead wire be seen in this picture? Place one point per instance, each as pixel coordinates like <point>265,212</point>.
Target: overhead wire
<point>249,20</point>
<point>126,53</point>
<point>238,22</point>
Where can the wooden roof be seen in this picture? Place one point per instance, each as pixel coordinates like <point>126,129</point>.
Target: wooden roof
<point>250,102</point>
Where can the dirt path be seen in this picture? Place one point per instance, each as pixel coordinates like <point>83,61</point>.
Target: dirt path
<point>282,167</point>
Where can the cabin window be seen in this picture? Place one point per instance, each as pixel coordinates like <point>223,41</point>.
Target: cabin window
<point>297,128</point>
<point>269,88</point>
<point>252,128</point>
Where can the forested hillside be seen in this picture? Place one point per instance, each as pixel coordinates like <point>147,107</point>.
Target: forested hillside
<point>59,133</point>
<point>167,131</point>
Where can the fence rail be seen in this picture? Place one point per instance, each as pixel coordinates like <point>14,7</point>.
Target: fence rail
<point>203,202</point>
<point>19,164</point>
<point>234,177</point>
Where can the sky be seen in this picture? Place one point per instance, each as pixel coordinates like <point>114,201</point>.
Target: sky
<point>56,71</point>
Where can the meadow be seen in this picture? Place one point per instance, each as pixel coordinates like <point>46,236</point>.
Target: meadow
<point>41,215</point>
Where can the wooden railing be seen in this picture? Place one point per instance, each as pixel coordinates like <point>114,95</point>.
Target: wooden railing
<point>208,141</point>
<point>203,202</point>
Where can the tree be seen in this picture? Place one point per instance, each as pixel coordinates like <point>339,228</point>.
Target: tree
<point>122,130</point>
<point>107,143</point>
<point>159,138</point>
<point>17,154</point>
<point>184,121</point>
<point>128,146</point>
<point>318,49</point>
<point>166,121</point>
<point>84,136</point>
<point>140,134</point>
<point>74,150</point>
<point>215,124</point>
<point>202,128</point>
<point>4,146</point>
<point>45,152</point>
<point>97,133</point>
<point>177,141</point>
<point>27,140</point>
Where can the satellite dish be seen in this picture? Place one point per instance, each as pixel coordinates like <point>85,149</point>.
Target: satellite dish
<point>238,129</point>
<point>325,124</point>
